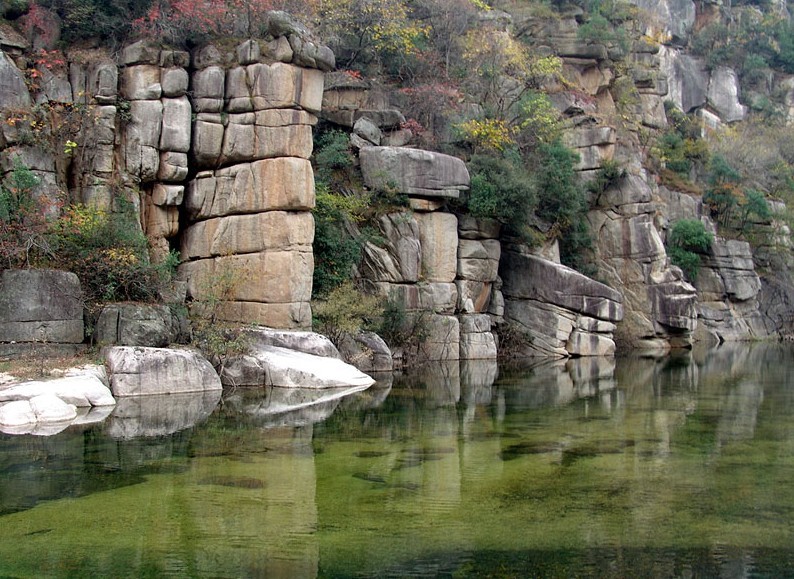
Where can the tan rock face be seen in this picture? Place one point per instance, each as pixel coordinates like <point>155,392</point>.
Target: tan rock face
<point>237,234</point>
<point>438,233</point>
<point>286,183</point>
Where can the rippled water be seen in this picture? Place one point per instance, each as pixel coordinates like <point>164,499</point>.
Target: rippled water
<point>679,467</point>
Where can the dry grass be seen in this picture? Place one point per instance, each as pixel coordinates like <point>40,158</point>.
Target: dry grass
<point>32,367</point>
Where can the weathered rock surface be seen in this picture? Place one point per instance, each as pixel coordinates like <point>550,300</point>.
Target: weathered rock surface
<point>140,371</point>
<point>14,93</point>
<point>81,391</point>
<point>136,325</point>
<point>306,342</point>
<point>414,171</point>
<point>367,351</point>
<point>562,311</point>
<point>723,94</point>
<point>283,368</point>
<point>40,306</point>
<point>44,408</point>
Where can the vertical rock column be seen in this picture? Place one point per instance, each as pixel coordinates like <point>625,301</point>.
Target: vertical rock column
<point>479,252</point>
<point>250,228</point>
<point>418,265</point>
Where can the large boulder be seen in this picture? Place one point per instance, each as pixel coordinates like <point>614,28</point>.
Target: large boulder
<point>283,368</point>
<point>414,171</point>
<point>42,408</point>
<point>40,306</point>
<point>367,351</point>
<point>306,342</point>
<point>530,277</point>
<point>81,391</point>
<point>723,95</point>
<point>687,79</point>
<point>136,325</point>
<point>139,371</point>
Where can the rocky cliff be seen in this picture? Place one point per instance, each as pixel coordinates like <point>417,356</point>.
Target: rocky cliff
<point>212,148</point>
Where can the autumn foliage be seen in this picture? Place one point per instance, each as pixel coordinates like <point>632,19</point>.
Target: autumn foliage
<point>182,21</point>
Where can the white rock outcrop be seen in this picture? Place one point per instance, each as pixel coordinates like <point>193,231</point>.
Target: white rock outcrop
<point>283,368</point>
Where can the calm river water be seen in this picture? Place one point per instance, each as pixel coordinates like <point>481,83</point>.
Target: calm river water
<point>676,467</point>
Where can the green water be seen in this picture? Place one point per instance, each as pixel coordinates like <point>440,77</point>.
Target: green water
<point>678,467</point>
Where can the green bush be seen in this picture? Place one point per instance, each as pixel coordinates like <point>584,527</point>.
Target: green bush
<point>345,310</point>
<point>332,153</point>
<point>337,251</point>
<point>218,339</point>
<point>109,254</point>
<point>23,223</point>
<point>687,239</point>
<point>501,189</point>
<point>562,202</point>
<point>403,330</point>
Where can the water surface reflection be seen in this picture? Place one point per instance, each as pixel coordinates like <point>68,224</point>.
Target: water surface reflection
<point>678,466</point>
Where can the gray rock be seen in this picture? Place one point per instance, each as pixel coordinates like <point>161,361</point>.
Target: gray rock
<point>476,340</point>
<point>13,90</point>
<point>367,351</point>
<point>306,342</point>
<point>248,52</point>
<point>478,260</point>
<point>175,134</point>
<point>677,16</point>
<point>674,305</point>
<point>136,325</point>
<point>206,56</point>
<point>414,171</point>
<point>687,79</point>
<point>473,228</point>
<point>174,82</point>
<point>443,338</point>
<point>208,86</point>
<point>402,232</point>
<point>312,55</point>
<point>438,235</point>
<point>384,118</point>
<point>44,408</point>
<point>723,94</point>
<point>174,58</point>
<point>173,167</point>
<point>141,52</point>
<point>140,371</point>
<point>527,277</point>
<point>368,130</point>
<point>141,82</point>
<point>40,305</point>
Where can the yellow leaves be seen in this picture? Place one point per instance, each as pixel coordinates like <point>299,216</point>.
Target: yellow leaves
<point>491,134</point>
<point>481,5</point>
<point>120,256</point>
<point>384,25</point>
<point>495,52</point>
